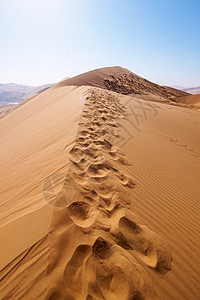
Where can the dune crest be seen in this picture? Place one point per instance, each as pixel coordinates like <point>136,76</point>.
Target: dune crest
<point>125,82</point>
<point>97,243</point>
<point>97,188</point>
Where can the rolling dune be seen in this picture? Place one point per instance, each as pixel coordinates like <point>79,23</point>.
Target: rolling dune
<point>191,100</point>
<point>125,82</point>
<point>99,198</point>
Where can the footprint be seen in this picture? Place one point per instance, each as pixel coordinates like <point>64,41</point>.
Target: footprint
<point>91,153</point>
<point>82,213</point>
<point>150,248</point>
<point>96,170</point>
<point>105,190</point>
<point>124,180</point>
<point>118,275</point>
<point>74,279</point>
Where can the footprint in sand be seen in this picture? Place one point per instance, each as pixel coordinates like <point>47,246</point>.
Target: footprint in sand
<point>147,245</point>
<point>108,265</point>
<point>106,272</point>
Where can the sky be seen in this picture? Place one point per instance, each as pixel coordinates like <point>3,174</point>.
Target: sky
<point>44,41</point>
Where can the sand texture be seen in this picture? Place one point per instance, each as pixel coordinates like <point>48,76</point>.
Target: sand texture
<point>123,81</point>
<point>190,100</point>
<point>99,198</point>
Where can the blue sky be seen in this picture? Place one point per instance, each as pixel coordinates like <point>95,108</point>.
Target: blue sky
<point>44,41</point>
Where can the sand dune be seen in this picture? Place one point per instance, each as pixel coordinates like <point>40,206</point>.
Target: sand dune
<point>5,108</point>
<point>123,81</point>
<point>99,192</point>
<point>191,100</point>
<point>192,90</point>
<point>31,150</point>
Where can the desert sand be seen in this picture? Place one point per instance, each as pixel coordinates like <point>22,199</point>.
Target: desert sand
<point>190,100</point>
<point>100,192</point>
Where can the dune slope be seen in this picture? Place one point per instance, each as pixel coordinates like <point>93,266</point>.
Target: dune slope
<point>191,100</point>
<point>99,192</point>
<point>123,81</point>
<point>33,151</point>
<point>107,240</point>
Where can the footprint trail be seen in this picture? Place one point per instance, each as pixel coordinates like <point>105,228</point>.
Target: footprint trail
<point>98,245</point>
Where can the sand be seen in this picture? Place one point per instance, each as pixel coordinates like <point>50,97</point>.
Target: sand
<point>5,108</point>
<point>190,100</point>
<point>99,198</point>
<point>123,81</point>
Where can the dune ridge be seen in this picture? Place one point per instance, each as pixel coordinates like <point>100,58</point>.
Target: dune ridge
<point>108,239</point>
<point>125,82</point>
<point>83,169</point>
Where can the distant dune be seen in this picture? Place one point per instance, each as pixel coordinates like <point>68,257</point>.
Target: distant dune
<point>9,106</point>
<point>193,90</point>
<point>191,100</point>
<point>100,192</point>
<point>12,93</point>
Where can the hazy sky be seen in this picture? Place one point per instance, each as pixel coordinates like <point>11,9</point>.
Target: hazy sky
<point>43,41</point>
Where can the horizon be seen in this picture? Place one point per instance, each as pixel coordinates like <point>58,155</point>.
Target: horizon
<point>46,83</point>
<point>52,83</point>
<point>45,41</point>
